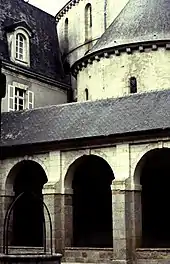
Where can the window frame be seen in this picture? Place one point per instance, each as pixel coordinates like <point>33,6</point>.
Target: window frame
<point>13,95</point>
<point>12,40</point>
<point>20,49</point>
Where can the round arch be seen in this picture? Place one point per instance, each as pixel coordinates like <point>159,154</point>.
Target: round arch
<point>10,179</point>
<point>26,223</point>
<point>88,181</point>
<point>153,173</point>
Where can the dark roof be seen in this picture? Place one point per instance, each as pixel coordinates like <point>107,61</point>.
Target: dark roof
<point>139,21</point>
<point>45,53</point>
<point>134,113</point>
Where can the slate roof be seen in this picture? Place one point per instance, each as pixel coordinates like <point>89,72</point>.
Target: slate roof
<point>45,53</point>
<point>139,21</point>
<point>134,113</point>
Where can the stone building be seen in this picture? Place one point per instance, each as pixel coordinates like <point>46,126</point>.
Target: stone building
<point>101,164</point>
<point>31,58</point>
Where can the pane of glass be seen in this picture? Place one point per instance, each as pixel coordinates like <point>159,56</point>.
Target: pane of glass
<point>21,44</point>
<point>15,91</point>
<point>21,92</point>
<point>20,38</point>
<point>15,100</point>
<point>21,107</point>
<point>21,102</point>
<point>21,50</point>
<point>20,56</point>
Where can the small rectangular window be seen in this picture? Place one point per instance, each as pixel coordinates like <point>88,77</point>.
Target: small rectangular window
<point>133,85</point>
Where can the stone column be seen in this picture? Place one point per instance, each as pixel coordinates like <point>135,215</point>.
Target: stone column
<point>134,218</point>
<point>60,207</point>
<point>53,202</point>
<point>119,223</point>
<point>126,211</point>
<point>68,218</point>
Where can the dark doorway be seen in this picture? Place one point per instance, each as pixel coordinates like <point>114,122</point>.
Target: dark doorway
<point>92,203</point>
<point>28,215</point>
<point>155,180</point>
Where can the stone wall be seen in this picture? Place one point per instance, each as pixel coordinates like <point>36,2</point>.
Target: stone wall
<point>109,77</point>
<point>124,159</point>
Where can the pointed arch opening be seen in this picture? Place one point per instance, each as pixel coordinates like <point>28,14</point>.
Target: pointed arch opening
<point>152,172</point>
<point>26,225</point>
<point>90,178</point>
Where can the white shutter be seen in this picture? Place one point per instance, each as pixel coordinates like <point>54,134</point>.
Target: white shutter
<point>30,100</point>
<point>11,98</point>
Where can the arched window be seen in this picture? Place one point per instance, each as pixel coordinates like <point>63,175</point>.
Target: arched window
<point>88,22</point>
<point>20,51</point>
<point>66,36</point>
<point>19,46</point>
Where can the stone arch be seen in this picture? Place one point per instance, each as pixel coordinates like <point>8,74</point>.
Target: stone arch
<point>152,173</point>
<point>8,180</point>
<point>87,181</point>
<point>26,176</point>
<point>139,154</point>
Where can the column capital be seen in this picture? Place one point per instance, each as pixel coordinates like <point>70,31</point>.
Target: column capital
<point>49,188</point>
<point>123,186</point>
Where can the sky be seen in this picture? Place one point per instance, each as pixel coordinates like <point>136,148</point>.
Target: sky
<point>50,6</point>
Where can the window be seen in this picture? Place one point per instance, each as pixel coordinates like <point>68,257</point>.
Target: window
<point>87,94</point>
<point>88,23</point>
<point>19,46</point>
<point>19,99</point>
<point>133,85</point>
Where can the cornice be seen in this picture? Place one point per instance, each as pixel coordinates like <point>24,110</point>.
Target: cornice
<point>117,51</point>
<point>30,74</point>
<point>65,9</point>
